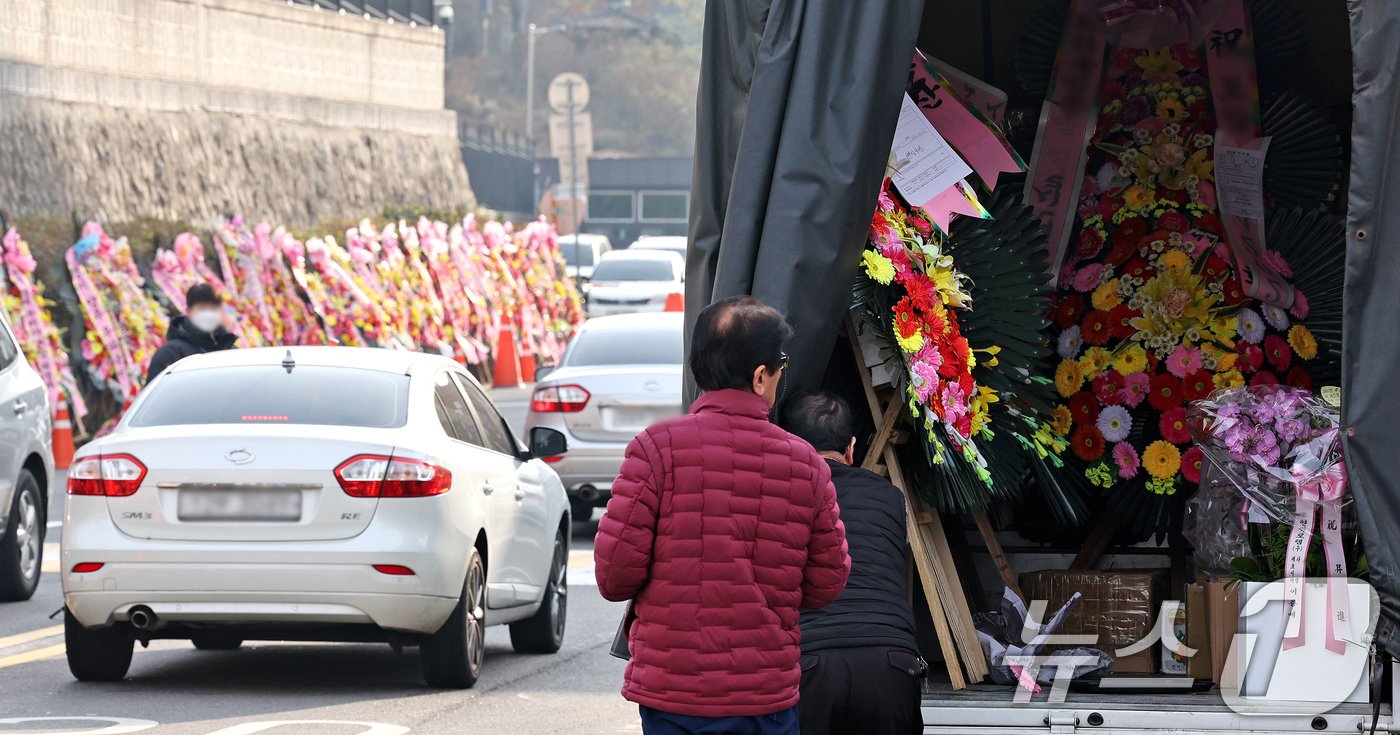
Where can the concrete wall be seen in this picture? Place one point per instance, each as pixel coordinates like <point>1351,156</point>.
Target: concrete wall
<point>194,108</point>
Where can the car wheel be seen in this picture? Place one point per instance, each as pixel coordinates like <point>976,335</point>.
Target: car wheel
<point>216,642</point>
<point>582,511</point>
<point>99,654</point>
<point>22,545</point>
<point>452,656</point>
<point>544,631</point>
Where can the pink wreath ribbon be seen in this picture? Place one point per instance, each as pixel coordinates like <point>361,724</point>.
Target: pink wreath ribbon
<point>1119,12</point>
<point>1319,494</point>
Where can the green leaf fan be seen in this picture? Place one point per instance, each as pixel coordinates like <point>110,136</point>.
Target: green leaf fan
<point>1314,244</point>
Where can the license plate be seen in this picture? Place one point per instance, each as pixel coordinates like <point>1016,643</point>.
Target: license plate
<point>240,505</point>
<point>617,418</point>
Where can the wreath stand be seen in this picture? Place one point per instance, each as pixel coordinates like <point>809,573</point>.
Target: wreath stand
<point>947,603</point>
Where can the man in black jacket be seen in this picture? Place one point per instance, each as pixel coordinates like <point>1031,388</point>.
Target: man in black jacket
<point>861,669</point>
<point>200,330</point>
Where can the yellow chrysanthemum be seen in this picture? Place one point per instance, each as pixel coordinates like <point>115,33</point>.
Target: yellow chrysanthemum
<point>1301,339</point>
<point>1106,296</point>
<point>1068,378</point>
<point>1162,459</point>
<point>1229,379</point>
<point>879,268</point>
<point>1060,420</point>
<point>1094,362</point>
<point>911,344</point>
<point>1170,108</point>
<point>1133,359</point>
<point>1174,259</point>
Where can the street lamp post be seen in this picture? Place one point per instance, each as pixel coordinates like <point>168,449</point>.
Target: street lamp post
<point>534,32</point>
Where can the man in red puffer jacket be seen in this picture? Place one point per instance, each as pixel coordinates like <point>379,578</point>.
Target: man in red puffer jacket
<point>722,527</point>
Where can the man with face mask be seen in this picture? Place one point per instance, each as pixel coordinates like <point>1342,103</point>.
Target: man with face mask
<point>200,330</point>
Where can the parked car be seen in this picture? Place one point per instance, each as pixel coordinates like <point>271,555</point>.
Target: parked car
<point>677,244</point>
<point>582,252</point>
<point>630,281</point>
<point>314,493</point>
<point>26,464</point>
<point>619,375</point>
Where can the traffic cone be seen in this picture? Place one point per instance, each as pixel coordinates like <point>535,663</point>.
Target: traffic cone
<point>62,437</point>
<point>527,368</point>
<point>507,370</point>
<point>675,301</point>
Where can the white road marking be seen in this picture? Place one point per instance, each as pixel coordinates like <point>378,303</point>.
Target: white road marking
<point>55,524</point>
<point>371,728</point>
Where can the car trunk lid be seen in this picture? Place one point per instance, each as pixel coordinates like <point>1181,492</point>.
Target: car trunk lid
<point>243,483</point>
<point>622,402</point>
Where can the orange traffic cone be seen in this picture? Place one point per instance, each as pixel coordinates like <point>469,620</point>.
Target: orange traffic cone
<point>62,437</point>
<point>675,301</point>
<point>507,370</point>
<point>527,368</point>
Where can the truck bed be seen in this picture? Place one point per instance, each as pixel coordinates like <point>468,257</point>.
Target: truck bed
<point>986,708</point>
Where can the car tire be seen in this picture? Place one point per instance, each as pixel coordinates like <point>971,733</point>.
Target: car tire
<point>543,632</point>
<point>216,642</point>
<point>96,654</point>
<point>22,544</point>
<point>452,656</point>
<point>580,510</point>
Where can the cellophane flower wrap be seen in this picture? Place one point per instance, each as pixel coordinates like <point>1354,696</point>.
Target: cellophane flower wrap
<point>1149,314</point>
<point>1262,446</point>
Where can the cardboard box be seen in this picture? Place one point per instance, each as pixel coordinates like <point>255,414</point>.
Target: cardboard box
<point>1223,611</point>
<point>1198,633</point>
<point>1118,609</point>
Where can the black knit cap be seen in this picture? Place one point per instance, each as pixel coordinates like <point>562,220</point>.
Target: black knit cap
<point>201,293</point>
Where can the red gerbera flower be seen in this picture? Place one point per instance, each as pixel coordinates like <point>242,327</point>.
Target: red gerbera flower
<point>1120,321</point>
<point>1208,222</point>
<point>967,384</point>
<point>1214,267</point>
<point>1251,357</point>
<point>1122,252</point>
<point>1088,442</point>
<point>1107,387</point>
<point>1299,378</point>
<point>1172,424</point>
<point>1173,222</point>
<point>921,225</point>
<point>921,293</point>
<point>1233,294</point>
<point>1164,392</point>
<point>1068,310</point>
<point>1197,386</point>
<point>964,425</point>
<point>950,368</point>
<point>1130,230</point>
<point>960,348</point>
<point>1089,244</point>
<point>905,321</point>
<point>1097,328</point>
<point>1084,408</point>
<point>1137,268</point>
<point>1191,462</point>
<point>1264,378</point>
<point>1279,353</point>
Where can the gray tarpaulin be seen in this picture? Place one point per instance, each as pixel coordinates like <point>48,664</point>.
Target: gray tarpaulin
<point>1371,332</point>
<point>797,110</point>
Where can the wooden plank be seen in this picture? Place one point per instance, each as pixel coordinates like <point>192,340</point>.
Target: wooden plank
<point>885,427</point>
<point>998,554</point>
<point>1097,543</point>
<point>946,578</point>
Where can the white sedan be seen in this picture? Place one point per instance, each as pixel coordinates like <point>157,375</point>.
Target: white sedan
<point>632,281</point>
<point>314,493</point>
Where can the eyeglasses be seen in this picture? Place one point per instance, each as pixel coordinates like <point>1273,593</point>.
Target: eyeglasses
<point>782,361</point>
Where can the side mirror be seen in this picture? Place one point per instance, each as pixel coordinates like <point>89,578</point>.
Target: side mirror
<point>547,442</point>
<point>543,372</point>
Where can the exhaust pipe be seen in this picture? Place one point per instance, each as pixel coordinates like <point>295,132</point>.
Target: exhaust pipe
<point>588,493</point>
<point>143,618</point>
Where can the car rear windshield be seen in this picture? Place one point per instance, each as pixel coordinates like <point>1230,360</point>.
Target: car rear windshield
<point>576,254</point>
<point>625,347</point>
<point>633,270</point>
<point>254,394</point>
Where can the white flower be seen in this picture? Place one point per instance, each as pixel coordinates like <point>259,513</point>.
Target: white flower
<point>1251,327</point>
<point>1114,423</point>
<point>1070,342</point>
<point>1276,317</point>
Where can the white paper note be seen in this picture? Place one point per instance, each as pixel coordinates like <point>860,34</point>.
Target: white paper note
<point>923,165</point>
<point>1239,179</point>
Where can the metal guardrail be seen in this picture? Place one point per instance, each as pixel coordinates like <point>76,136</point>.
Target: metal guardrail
<point>402,11</point>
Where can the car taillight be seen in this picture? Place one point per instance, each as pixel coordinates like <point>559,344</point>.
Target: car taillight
<point>87,567</point>
<point>559,399</point>
<point>377,476</point>
<point>112,475</point>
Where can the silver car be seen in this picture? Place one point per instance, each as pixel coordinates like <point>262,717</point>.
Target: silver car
<point>635,281</point>
<point>619,375</point>
<point>26,464</point>
<point>582,252</point>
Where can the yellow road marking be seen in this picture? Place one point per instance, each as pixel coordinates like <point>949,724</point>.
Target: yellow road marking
<point>52,563</point>
<point>580,559</point>
<point>26,637</point>
<point>38,654</point>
